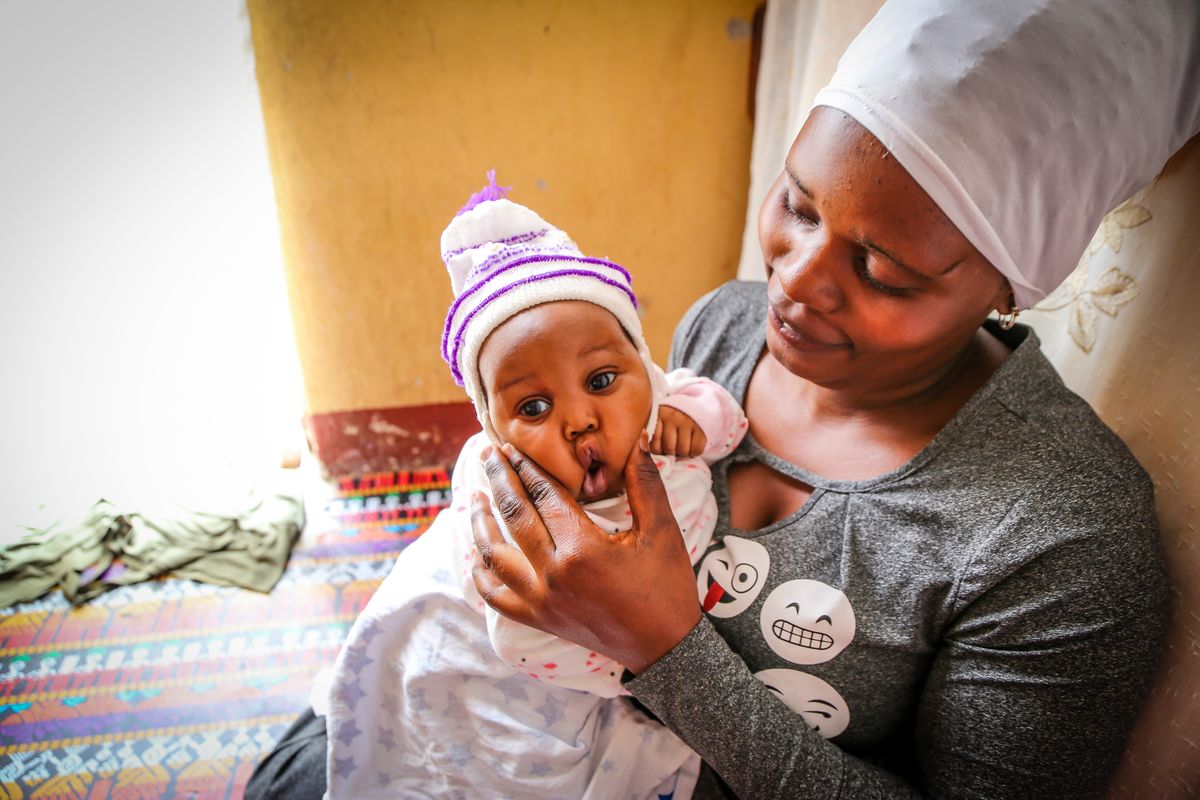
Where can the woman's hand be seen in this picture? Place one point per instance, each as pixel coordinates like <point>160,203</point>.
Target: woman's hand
<point>630,596</point>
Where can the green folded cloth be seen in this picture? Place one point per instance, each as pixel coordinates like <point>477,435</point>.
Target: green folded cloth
<point>247,548</point>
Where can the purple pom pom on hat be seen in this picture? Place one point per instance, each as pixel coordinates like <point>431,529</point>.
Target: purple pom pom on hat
<point>489,192</point>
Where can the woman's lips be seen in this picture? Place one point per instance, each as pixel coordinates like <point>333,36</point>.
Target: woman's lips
<point>800,335</point>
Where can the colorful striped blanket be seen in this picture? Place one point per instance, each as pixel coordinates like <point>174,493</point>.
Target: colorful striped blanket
<point>174,688</point>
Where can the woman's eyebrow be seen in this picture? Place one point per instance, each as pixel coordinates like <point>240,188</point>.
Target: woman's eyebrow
<point>916,273</point>
<point>799,183</point>
<point>870,245</point>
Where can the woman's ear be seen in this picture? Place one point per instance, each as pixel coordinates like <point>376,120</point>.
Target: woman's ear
<point>1005,300</point>
<point>1006,307</point>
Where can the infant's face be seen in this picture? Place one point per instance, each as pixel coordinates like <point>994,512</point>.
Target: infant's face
<point>567,388</point>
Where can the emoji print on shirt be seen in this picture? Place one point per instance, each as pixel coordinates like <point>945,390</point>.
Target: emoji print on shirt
<point>812,698</point>
<point>806,621</point>
<point>731,576</point>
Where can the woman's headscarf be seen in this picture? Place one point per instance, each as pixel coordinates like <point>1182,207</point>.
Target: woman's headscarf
<point>1026,120</point>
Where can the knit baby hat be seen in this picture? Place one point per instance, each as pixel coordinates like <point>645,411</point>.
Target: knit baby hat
<point>504,258</point>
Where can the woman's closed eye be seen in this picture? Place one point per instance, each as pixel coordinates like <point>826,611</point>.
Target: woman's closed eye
<point>861,266</point>
<point>531,409</point>
<point>601,380</point>
<point>793,211</point>
<point>863,270</point>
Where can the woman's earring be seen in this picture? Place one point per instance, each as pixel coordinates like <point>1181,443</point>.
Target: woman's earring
<point>1007,321</point>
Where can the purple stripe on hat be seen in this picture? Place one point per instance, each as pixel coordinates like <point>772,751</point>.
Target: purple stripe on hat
<point>520,262</point>
<point>516,252</point>
<point>517,239</point>
<point>541,276</point>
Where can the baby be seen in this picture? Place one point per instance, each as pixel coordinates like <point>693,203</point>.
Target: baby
<point>435,694</point>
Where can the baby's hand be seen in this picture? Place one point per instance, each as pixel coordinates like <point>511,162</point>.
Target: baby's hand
<point>677,434</point>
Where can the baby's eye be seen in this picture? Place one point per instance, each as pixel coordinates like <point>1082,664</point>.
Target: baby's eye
<point>533,408</point>
<point>601,380</point>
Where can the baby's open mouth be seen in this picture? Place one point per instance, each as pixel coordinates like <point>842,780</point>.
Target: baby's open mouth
<point>595,481</point>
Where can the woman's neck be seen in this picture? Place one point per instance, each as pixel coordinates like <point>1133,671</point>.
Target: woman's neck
<point>857,435</point>
<point>950,383</point>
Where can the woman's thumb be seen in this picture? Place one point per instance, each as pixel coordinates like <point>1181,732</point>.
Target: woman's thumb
<point>647,495</point>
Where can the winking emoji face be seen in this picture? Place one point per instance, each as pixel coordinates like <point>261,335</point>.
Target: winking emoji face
<point>731,577</point>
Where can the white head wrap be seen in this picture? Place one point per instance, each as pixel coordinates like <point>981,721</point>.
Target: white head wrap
<point>1026,120</point>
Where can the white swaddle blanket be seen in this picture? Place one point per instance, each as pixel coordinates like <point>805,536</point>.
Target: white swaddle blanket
<point>422,707</point>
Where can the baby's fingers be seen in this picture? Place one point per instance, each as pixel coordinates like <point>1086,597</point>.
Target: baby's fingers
<point>656,440</point>
<point>683,441</point>
<point>699,442</point>
<point>669,442</point>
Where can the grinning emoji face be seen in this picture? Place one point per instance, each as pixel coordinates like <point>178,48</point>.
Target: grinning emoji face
<point>807,622</point>
<point>731,577</point>
<point>812,698</point>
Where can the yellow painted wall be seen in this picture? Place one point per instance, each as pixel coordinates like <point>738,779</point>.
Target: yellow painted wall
<point>623,122</point>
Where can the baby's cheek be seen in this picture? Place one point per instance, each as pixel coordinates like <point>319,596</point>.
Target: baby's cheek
<point>554,456</point>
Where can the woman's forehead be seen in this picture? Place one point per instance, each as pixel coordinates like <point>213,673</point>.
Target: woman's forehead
<point>848,172</point>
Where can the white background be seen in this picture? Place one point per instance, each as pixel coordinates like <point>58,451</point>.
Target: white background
<point>145,344</point>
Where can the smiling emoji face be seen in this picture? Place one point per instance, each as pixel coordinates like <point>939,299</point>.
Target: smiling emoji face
<point>732,576</point>
<point>807,622</point>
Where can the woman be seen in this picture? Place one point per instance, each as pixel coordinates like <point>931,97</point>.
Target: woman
<point>931,549</point>
<point>938,573</point>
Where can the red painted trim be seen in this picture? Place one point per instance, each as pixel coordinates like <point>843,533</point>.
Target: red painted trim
<point>378,439</point>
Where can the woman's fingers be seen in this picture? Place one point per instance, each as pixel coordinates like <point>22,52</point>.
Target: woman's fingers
<point>658,559</point>
<point>556,509</point>
<point>502,573</point>
<point>647,495</point>
<point>495,553</point>
<point>500,596</point>
<point>516,506</point>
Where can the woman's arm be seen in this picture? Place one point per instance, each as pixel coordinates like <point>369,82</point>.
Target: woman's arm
<point>704,692</point>
<point>1060,624</point>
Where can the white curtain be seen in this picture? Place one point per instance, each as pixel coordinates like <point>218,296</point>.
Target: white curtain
<point>802,41</point>
<point>1123,330</point>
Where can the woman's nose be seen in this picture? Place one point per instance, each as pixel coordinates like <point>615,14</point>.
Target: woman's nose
<point>809,273</point>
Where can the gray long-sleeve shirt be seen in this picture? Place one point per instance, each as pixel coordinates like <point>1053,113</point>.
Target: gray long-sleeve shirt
<point>981,622</point>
